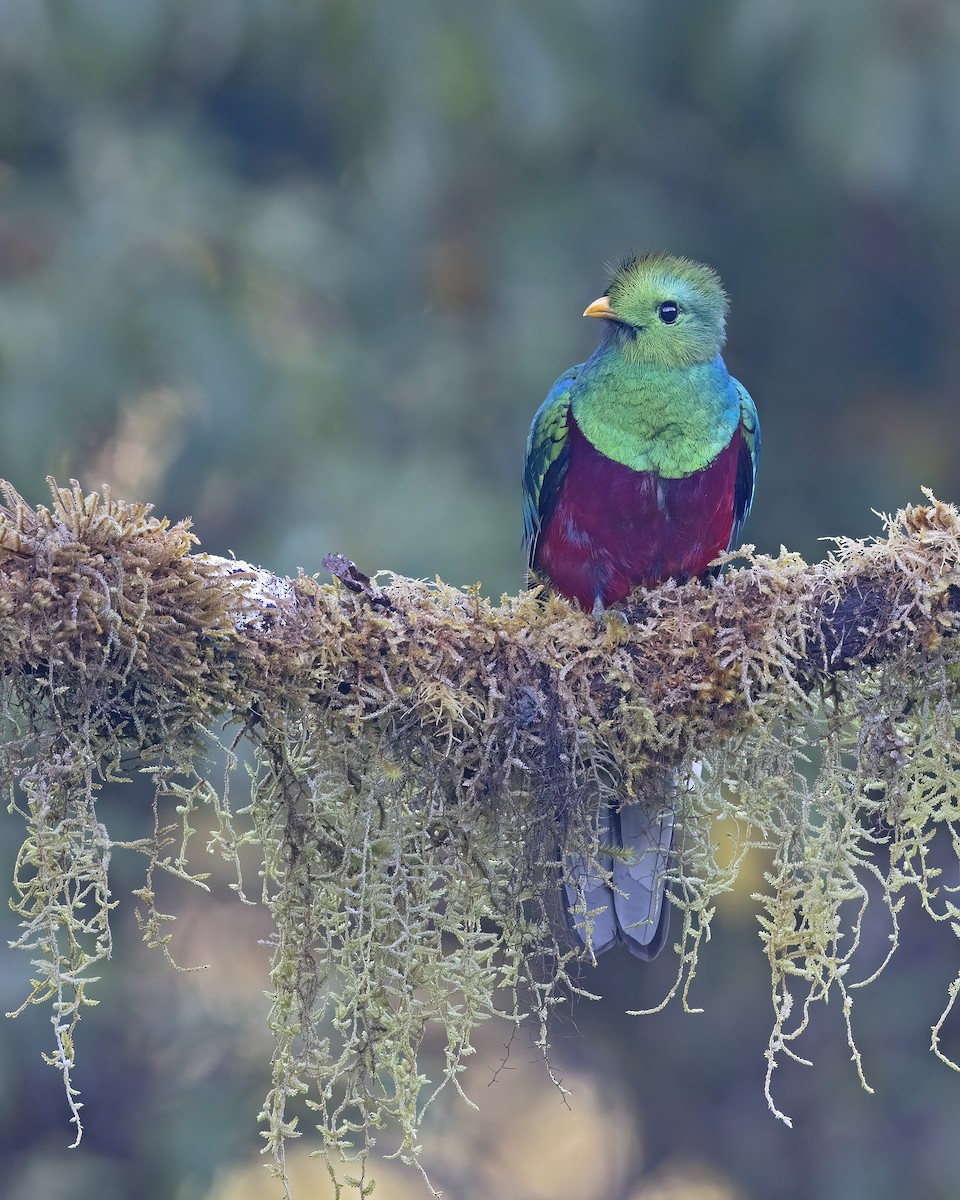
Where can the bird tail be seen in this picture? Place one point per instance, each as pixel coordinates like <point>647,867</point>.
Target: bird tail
<point>620,897</point>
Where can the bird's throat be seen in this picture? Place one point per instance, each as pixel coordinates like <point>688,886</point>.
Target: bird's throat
<point>673,421</point>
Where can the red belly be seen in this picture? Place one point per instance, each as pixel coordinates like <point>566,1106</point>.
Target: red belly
<point>614,528</point>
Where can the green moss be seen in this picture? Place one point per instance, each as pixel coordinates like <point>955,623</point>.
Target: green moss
<point>424,761</point>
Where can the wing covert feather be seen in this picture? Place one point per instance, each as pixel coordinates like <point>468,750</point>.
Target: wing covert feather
<point>545,464</point>
<point>747,465</point>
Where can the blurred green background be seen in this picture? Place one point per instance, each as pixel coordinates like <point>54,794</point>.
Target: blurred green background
<point>304,271</point>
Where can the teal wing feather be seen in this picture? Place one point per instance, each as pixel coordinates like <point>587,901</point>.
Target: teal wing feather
<point>545,464</point>
<point>747,466</point>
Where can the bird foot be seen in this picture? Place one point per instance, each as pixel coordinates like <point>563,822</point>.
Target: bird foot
<point>609,618</point>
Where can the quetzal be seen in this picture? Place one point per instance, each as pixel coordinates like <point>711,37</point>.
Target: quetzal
<point>640,467</point>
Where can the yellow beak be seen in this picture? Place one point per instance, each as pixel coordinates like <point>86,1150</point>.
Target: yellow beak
<point>600,308</point>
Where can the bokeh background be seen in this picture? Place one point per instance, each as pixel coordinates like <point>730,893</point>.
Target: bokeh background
<point>304,269</point>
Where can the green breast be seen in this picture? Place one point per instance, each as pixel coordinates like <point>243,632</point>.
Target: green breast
<point>674,421</point>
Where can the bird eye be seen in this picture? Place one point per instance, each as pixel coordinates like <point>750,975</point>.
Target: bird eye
<point>668,311</point>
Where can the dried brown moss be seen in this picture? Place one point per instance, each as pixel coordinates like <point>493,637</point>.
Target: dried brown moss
<point>425,758</point>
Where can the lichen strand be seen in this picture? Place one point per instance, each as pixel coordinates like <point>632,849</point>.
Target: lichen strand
<point>108,636</point>
<point>424,760</point>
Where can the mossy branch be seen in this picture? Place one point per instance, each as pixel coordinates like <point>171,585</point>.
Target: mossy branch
<point>425,761</point>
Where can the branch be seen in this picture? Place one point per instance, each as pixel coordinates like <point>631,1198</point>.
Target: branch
<point>427,760</point>
<point>120,587</point>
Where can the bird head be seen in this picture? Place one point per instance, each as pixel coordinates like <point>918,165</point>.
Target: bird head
<point>666,311</point>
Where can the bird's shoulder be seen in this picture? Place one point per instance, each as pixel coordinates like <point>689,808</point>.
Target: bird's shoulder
<point>749,421</point>
<point>748,462</point>
<point>545,462</point>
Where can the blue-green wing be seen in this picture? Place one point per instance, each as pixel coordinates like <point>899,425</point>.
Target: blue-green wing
<point>545,464</point>
<point>747,465</point>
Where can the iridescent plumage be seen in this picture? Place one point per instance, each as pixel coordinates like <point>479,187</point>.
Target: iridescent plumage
<point>640,467</point>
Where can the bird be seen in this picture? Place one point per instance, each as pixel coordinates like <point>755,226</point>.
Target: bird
<point>640,467</point>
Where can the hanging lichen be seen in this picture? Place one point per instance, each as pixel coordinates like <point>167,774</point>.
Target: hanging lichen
<point>425,762</point>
